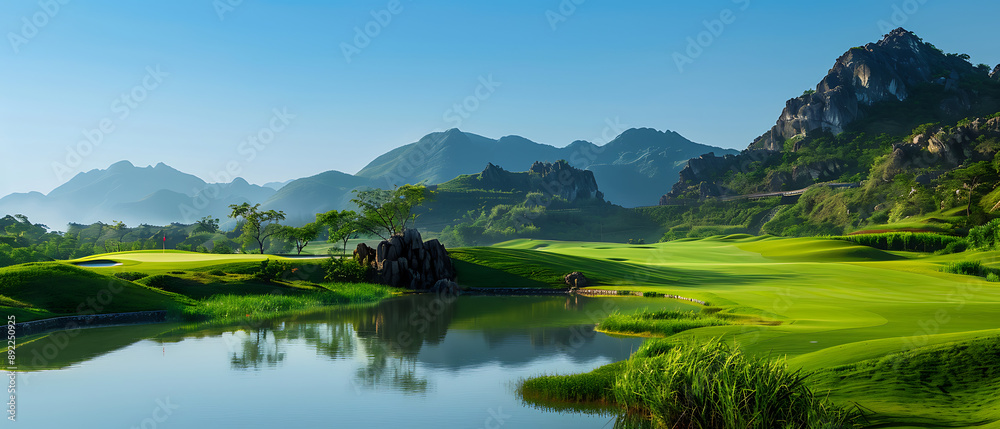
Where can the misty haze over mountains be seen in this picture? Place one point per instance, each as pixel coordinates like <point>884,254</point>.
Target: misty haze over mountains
<point>634,169</point>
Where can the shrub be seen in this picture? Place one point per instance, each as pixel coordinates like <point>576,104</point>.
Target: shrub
<point>906,241</point>
<point>992,277</point>
<point>969,268</point>
<point>346,270</point>
<point>957,246</point>
<point>270,270</point>
<point>130,275</point>
<point>159,281</point>
<point>624,292</point>
<point>217,272</point>
<point>652,294</point>
<point>222,247</point>
<point>985,236</point>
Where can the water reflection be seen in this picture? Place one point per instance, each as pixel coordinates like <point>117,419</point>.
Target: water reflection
<point>258,349</point>
<point>370,361</point>
<point>394,338</point>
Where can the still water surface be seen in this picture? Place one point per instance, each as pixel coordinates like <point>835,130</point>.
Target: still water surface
<point>409,362</point>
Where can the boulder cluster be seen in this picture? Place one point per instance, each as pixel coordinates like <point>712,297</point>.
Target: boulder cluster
<point>406,261</point>
<point>576,279</point>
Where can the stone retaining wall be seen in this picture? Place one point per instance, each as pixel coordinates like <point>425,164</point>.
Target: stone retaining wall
<point>615,292</point>
<point>533,291</point>
<point>89,321</point>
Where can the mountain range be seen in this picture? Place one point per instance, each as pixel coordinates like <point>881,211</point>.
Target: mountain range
<point>633,170</point>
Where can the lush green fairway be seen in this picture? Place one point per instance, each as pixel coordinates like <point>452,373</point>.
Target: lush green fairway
<point>171,280</point>
<point>839,304</point>
<point>47,289</point>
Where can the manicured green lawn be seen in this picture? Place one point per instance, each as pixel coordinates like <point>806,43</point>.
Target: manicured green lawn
<point>839,304</point>
<point>171,280</point>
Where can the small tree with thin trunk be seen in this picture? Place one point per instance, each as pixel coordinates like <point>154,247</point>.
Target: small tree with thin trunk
<point>258,226</point>
<point>386,212</point>
<point>343,225</point>
<point>300,237</point>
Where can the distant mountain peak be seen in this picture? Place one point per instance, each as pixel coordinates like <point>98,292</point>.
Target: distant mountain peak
<point>121,165</point>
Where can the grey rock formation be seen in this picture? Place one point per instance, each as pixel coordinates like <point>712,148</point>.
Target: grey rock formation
<point>554,179</point>
<point>576,279</point>
<point>995,75</point>
<point>947,148</point>
<point>865,75</point>
<point>561,179</point>
<point>406,261</point>
<point>876,74</point>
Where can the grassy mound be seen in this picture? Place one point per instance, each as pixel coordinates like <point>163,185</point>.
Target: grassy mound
<point>958,382</point>
<point>50,288</point>
<point>810,250</point>
<point>531,267</point>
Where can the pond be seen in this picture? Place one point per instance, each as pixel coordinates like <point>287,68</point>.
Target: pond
<point>97,263</point>
<point>419,361</point>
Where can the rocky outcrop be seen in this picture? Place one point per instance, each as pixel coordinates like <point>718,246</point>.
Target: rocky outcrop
<point>365,255</point>
<point>995,75</point>
<point>554,179</point>
<point>406,261</point>
<point>865,75</point>
<point>705,170</point>
<point>576,279</point>
<point>943,148</point>
<point>866,80</point>
<point>560,179</point>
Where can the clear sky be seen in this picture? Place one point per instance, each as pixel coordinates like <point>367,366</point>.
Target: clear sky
<point>186,82</point>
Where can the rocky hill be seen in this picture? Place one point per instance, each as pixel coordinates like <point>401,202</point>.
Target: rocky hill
<point>872,98</point>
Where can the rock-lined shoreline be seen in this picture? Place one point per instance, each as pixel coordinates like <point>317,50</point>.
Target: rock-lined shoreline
<point>89,321</point>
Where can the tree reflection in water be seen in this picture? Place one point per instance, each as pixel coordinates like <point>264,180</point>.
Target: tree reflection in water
<point>260,348</point>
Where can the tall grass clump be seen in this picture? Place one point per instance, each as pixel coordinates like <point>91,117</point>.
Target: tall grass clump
<point>663,322</point>
<point>238,307</point>
<point>556,391</point>
<point>714,385</point>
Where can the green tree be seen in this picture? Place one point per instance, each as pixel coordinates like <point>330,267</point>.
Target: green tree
<point>386,212</point>
<point>300,237</point>
<point>119,230</point>
<point>974,176</point>
<point>207,224</point>
<point>258,226</point>
<point>343,225</point>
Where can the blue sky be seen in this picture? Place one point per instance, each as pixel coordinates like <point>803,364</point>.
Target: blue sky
<point>559,74</point>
